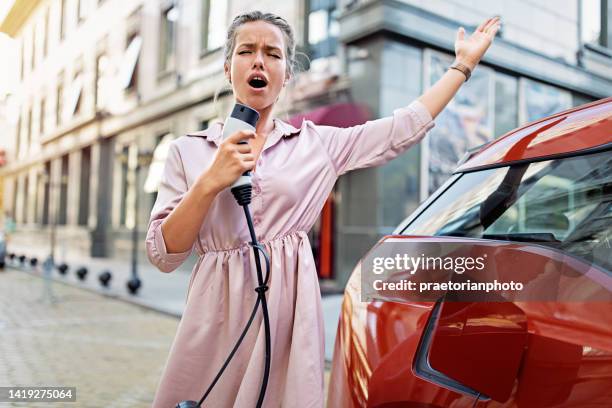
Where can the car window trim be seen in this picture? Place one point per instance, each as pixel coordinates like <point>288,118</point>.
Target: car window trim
<point>582,152</point>
<point>426,204</point>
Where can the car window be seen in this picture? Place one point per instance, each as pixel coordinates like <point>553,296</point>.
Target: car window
<point>564,203</point>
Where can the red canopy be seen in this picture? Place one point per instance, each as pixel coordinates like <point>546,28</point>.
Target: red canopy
<point>339,115</point>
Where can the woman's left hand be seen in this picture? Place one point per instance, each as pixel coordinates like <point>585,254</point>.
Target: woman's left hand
<point>470,50</point>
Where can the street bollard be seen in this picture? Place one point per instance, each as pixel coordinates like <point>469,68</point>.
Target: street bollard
<point>133,285</point>
<point>105,278</point>
<point>62,268</point>
<point>81,273</point>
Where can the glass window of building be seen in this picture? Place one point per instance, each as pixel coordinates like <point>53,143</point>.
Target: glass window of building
<point>213,29</point>
<point>42,117</point>
<point>167,48</point>
<point>101,79</point>
<point>539,100</point>
<point>46,179</point>
<point>128,73</point>
<point>399,180</point>
<point>18,135</point>
<point>29,133</point>
<point>45,39</point>
<point>33,50</point>
<point>26,196</point>
<point>322,28</point>
<point>590,21</point>
<point>21,59</point>
<point>62,16</point>
<point>76,90</point>
<point>84,186</point>
<point>466,122</point>
<point>59,104</point>
<point>506,104</point>
<point>63,193</point>
<point>82,9</point>
<point>124,185</point>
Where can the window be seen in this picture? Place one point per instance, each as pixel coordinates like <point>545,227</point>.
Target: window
<point>506,104</point>
<point>322,28</point>
<point>466,123</point>
<point>128,74</point>
<point>18,135</point>
<point>15,191</point>
<point>22,60</point>
<point>84,190</point>
<point>26,196</point>
<point>591,13</point>
<point>82,9</point>
<point>46,34</point>
<point>564,203</point>
<point>59,107</point>
<point>540,100</point>
<point>214,14</point>
<point>124,185</point>
<point>62,24</point>
<point>42,117</point>
<point>46,193</point>
<point>33,51</point>
<point>63,198</point>
<point>167,49</point>
<point>101,79</point>
<point>29,125</point>
<point>76,89</point>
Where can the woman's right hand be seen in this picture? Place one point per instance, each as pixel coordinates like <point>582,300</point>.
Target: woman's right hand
<point>231,160</point>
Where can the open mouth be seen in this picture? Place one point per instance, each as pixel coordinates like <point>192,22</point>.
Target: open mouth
<point>258,82</point>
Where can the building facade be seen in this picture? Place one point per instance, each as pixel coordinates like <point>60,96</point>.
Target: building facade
<point>104,80</point>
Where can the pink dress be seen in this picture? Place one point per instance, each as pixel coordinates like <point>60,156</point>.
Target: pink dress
<point>295,173</point>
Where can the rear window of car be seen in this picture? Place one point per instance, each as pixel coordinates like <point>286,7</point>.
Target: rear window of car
<point>564,203</point>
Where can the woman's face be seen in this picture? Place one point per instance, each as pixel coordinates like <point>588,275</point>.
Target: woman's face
<point>258,64</point>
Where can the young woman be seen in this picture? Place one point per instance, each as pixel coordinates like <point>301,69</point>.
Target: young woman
<point>294,170</point>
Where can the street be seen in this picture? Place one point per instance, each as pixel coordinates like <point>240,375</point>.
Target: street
<point>111,351</point>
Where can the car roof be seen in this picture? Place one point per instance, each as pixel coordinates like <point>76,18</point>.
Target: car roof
<point>584,128</point>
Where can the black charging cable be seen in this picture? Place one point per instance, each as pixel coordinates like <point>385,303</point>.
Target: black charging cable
<point>242,194</point>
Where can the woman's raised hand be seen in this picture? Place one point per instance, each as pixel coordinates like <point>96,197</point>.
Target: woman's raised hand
<point>470,50</point>
<point>231,160</point>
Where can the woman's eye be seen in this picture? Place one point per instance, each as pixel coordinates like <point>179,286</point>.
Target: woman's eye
<point>243,52</point>
<point>275,56</point>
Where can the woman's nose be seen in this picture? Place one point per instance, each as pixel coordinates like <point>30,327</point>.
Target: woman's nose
<point>259,60</point>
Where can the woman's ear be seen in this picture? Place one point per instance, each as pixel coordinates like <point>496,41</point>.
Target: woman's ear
<point>226,70</point>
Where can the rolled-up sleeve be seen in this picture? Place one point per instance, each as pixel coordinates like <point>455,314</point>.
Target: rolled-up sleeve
<point>378,141</point>
<point>172,188</point>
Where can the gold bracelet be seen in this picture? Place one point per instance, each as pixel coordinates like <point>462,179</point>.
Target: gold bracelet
<point>464,69</point>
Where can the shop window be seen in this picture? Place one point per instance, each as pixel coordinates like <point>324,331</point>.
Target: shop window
<point>322,28</point>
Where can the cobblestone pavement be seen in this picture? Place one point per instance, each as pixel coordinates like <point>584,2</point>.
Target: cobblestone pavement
<point>111,351</point>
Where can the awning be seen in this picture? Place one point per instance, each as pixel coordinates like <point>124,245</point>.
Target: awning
<point>338,115</point>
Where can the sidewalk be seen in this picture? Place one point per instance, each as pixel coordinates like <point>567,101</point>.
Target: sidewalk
<point>163,292</point>
<point>113,352</point>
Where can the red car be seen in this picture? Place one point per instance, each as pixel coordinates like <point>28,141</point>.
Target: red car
<point>545,188</point>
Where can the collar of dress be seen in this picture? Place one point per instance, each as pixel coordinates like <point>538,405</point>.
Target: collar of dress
<point>281,129</point>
